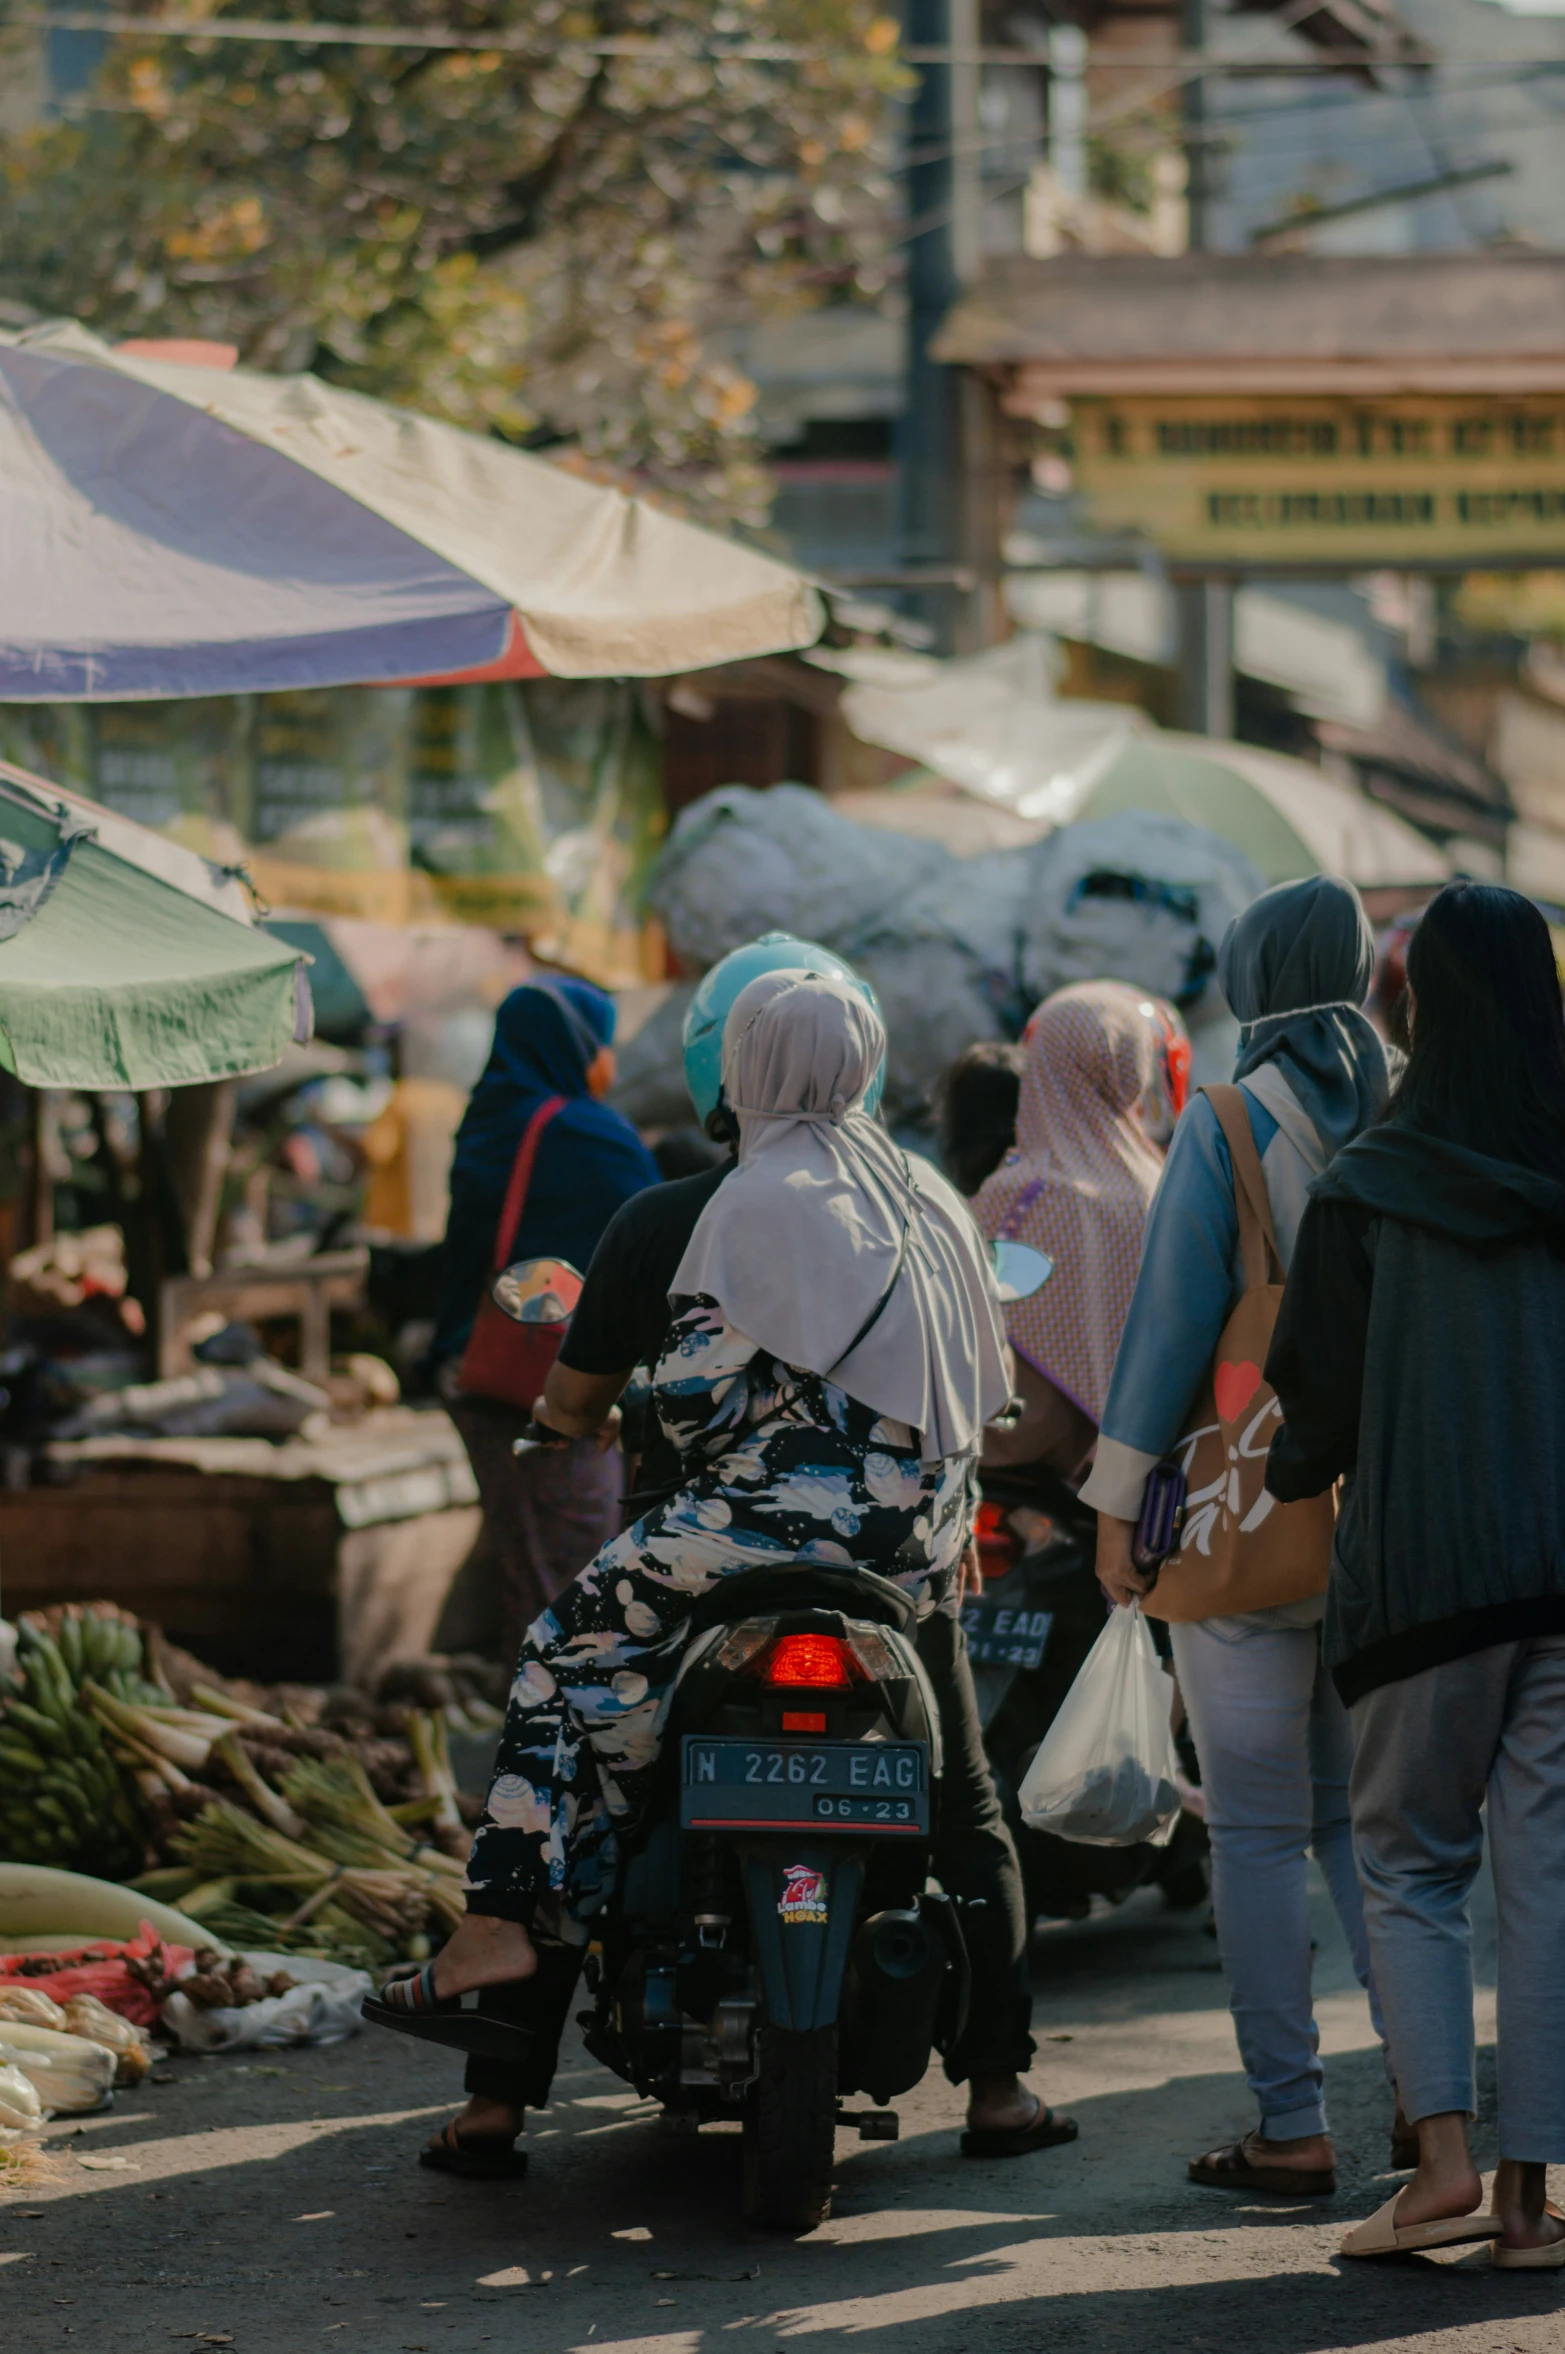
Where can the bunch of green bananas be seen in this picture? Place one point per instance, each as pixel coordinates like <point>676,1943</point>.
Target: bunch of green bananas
<point>63,1800</point>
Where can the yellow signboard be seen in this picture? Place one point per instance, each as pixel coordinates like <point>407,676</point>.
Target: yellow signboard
<point>1442,480</point>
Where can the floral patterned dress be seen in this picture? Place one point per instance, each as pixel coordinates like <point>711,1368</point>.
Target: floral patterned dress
<point>779,1466</point>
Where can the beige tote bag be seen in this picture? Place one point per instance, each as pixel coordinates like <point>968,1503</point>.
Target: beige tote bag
<point>1239,1548</point>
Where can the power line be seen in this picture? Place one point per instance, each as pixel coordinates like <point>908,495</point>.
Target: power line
<point>314,33</point>
<point>1374,199</point>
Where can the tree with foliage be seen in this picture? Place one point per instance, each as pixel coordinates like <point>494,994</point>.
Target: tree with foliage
<point>537,236</point>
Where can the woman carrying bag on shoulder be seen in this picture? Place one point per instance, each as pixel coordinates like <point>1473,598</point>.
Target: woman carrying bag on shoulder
<point>1418,1357</point>
<point>541,1165</point>
<point>1245,1594</point>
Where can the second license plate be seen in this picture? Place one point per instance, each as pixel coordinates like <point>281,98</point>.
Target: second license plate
<point>827,1785</point>
<point>1000,1637</point>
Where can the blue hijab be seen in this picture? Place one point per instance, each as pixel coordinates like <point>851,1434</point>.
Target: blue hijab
<point>590,1159</point>
<point>1296,968</point>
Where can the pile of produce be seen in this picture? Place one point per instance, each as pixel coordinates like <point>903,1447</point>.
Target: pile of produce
<point>293,1820</point>
<point>28,2007</point>
<point>62,2058</point>
<point>63,1798</point>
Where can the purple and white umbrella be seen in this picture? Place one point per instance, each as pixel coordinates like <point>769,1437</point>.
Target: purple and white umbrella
<point>169,528</point>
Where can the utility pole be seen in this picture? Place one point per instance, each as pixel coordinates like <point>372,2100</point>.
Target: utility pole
<point>939,427</point>
<point>1204,608</point>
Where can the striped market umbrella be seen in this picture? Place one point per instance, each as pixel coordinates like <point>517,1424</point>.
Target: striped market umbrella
<point>174,525</point>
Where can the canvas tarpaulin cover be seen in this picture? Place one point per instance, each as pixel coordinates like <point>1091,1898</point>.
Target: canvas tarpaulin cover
<point>115,976</point>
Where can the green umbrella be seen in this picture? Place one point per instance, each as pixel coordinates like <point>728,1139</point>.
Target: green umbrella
<point>1288,817</point>
<point>125,961</point>
<point>1146,775</point>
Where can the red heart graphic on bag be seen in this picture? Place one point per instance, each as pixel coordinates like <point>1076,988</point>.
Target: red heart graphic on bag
<point>1234,1387</point>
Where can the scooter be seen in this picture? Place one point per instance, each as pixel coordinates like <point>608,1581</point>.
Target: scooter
<point>771,1948</point>
<point>1040,1612</point>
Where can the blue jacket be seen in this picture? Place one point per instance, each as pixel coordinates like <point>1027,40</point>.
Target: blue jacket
<point>1191,1277</point>
<point>590,1158</point>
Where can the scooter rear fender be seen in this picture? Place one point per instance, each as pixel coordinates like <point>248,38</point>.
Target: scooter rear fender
<point>803,1898</point>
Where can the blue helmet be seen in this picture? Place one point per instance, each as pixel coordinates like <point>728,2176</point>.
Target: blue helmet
<point>774,952</point>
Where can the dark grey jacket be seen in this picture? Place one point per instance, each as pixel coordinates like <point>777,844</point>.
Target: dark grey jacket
<point>1420,1352</point>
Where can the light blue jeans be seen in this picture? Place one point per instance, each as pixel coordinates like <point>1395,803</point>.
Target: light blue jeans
<point>1276,1750</point>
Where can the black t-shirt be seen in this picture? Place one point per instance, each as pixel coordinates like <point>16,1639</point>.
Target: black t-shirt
<point>622,1318</point>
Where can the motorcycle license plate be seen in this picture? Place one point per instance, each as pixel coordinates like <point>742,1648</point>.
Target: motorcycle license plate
<point>1001,1636</point>
<point>797,1785</point>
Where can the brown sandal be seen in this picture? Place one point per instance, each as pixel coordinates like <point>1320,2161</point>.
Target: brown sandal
<point>480,2157</point>
<point>1233,2169</point>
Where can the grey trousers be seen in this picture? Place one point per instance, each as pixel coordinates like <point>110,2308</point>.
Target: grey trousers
<point>1275,1747</point>
<point>1429,1750</point>
<point>545,1515</point>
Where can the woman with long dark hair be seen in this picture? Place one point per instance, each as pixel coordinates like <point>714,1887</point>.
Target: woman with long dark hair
<point>1418,1357</point>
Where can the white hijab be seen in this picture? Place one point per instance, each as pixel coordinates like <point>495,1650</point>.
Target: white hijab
<point>806,1238</point>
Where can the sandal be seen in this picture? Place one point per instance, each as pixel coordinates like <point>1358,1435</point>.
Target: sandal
<point>1381,2235</point>
<point>1016,2141</point>
<point>479,2157</point>
<point>1549,2258</point>
<point>410,2005</point>
<point>1233,2169</point>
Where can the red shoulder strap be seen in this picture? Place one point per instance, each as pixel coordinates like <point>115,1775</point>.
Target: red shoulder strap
<point>521,1179</point>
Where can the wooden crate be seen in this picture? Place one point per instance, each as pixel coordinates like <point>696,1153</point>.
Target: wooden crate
<point>257,1576</point>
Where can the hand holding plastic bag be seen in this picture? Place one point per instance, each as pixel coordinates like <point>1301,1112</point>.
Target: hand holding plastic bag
<point>1105,1773</point>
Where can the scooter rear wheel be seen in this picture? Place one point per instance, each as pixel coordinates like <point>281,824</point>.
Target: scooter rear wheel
<point>790,2127</point>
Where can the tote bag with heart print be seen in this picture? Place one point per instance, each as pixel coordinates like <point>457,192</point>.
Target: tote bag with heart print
<point>1240,1549</point>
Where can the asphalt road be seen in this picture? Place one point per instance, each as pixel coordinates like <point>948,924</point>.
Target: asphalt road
<point>273,2203</point>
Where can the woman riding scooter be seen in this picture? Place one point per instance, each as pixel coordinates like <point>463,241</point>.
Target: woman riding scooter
<point>846,1436</point>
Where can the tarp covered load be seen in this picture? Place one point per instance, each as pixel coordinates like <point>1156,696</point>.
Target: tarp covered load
<point>958,949</point>
<point>125,961</point>
<point>176,530</point>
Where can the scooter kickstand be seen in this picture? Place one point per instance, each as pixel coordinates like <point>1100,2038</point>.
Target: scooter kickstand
<point>873,2124</point>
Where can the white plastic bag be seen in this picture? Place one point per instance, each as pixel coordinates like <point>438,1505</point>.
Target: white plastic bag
<point>321,2007</point>
<point>1105,1774</point>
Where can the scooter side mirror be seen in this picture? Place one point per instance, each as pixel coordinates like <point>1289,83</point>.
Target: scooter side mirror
<point>537,1291</point>
<point>1019,1270</point>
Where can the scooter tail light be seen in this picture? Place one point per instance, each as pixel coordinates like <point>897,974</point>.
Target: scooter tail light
<point>821,1663</point>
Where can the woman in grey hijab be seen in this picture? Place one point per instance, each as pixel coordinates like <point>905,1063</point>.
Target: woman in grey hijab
<point>837,1345</point>
<point>1296,968</point>
<point>832,1250</point>
<point>1273,1738</point>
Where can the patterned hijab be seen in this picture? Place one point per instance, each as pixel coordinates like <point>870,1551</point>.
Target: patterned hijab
<point>1079,1181</point>
<point>828,1247</point>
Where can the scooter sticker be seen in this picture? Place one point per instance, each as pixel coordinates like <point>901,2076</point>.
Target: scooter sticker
<point>802,1903</point>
